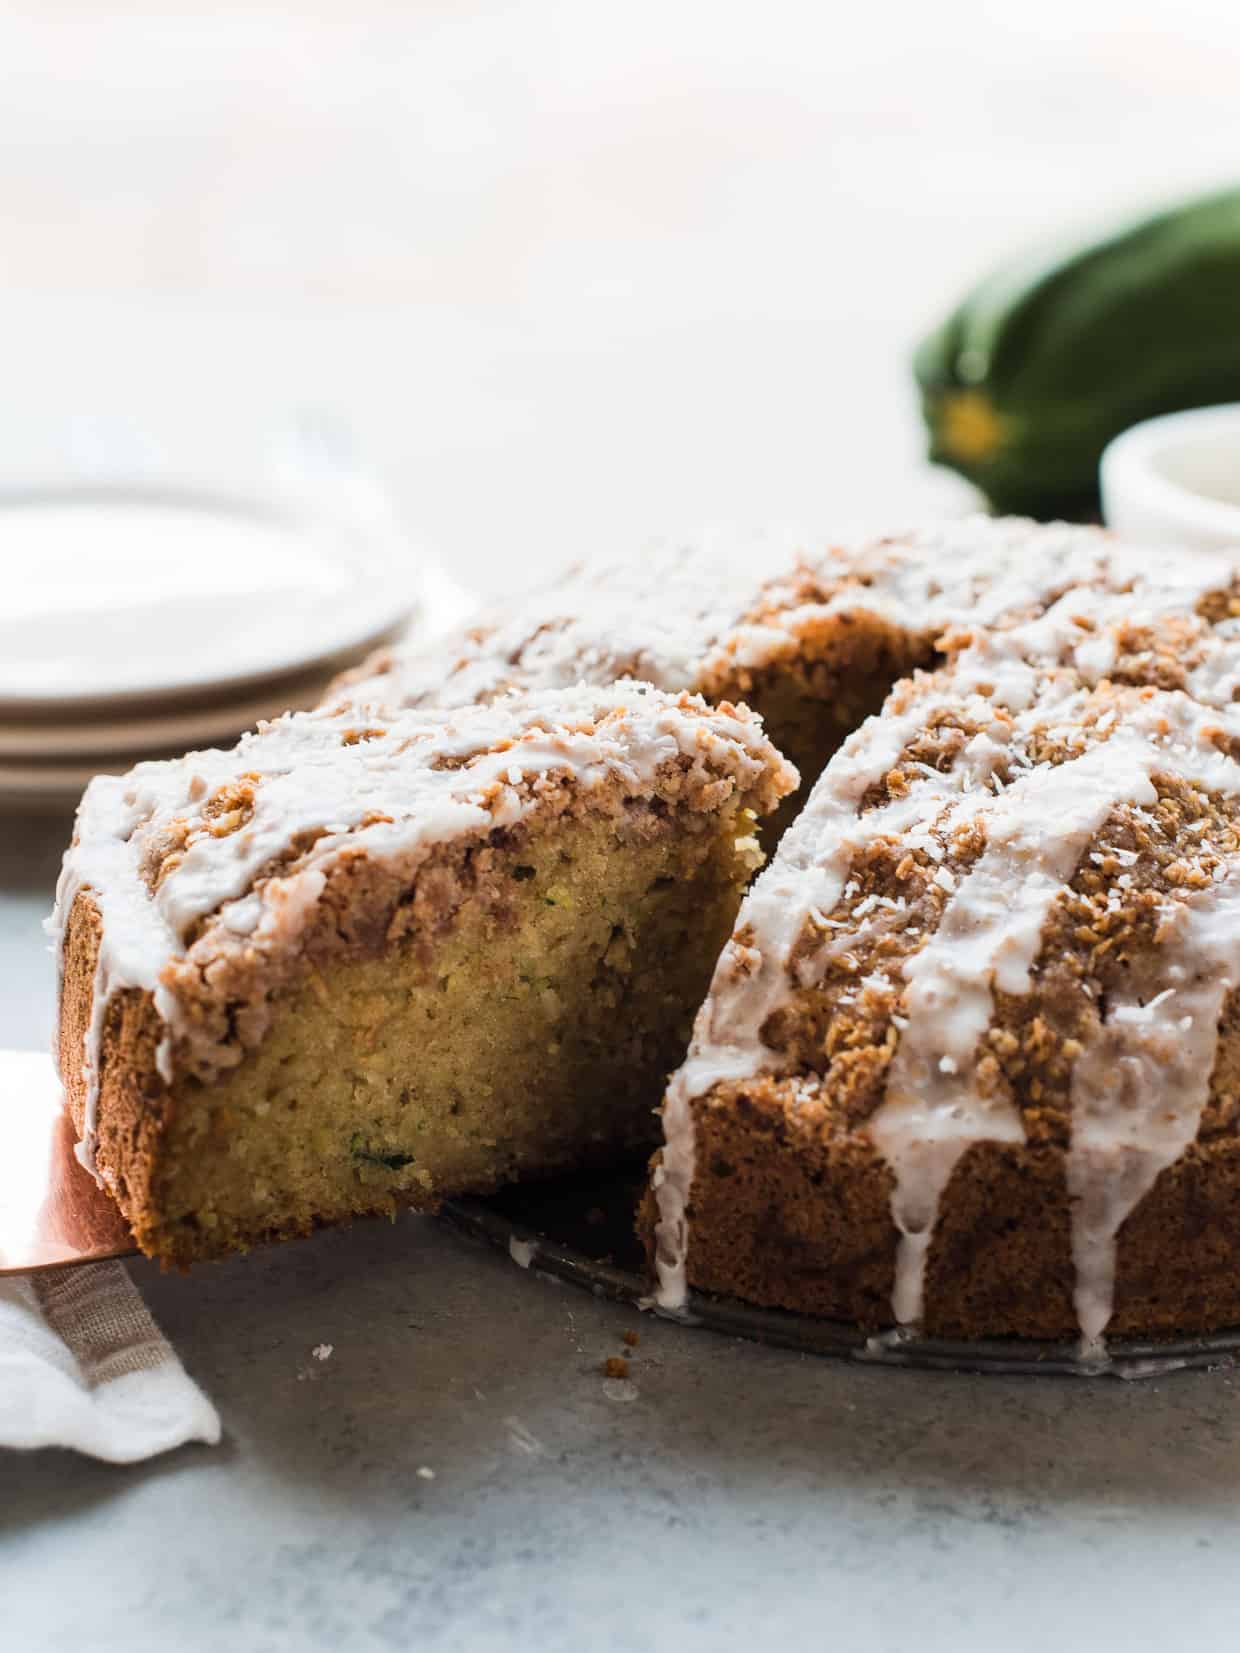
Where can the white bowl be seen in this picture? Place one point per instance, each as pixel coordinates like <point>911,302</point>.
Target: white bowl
<point>1177,480</point>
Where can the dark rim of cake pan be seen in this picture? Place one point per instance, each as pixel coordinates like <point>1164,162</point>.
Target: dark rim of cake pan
<point>580,1230</point>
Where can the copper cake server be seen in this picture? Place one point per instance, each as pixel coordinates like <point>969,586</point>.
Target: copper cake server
<point>52,1213</point>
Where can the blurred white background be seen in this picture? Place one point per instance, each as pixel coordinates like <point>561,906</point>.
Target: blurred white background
<point>578,273</point>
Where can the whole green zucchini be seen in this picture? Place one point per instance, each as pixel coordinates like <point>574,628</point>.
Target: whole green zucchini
<point>1046,360</point>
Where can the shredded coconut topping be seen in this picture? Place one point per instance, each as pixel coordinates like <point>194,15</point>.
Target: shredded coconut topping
<point>708,616</point>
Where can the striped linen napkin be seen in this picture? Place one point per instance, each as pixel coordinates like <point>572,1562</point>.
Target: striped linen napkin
<point>83,1365</point>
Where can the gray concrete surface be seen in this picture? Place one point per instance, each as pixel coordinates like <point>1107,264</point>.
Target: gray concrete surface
<point>576,283</point>
<point>726,1495</point>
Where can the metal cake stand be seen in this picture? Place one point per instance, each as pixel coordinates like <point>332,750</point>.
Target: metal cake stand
<point>580,1231</point>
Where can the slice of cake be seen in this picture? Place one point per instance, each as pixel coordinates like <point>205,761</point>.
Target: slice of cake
<point>970,1062</point>
<point>814,641</point>
<point>354,962</point>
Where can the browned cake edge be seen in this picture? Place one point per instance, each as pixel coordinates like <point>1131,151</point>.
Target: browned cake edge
<point>135,1104</point>
<point>786,1214</point>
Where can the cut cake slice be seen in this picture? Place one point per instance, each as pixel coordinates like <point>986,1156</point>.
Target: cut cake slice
<point>356,962</point>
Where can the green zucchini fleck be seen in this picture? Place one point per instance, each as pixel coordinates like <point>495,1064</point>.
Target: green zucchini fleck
<point>366,1155</point>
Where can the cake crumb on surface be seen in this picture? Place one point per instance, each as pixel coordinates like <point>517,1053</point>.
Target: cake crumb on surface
<point>615,1366</point>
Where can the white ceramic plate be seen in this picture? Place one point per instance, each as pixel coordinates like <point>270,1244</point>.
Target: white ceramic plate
<point>1176,480</point>
<point>51,786</point>
<point>115,594</point>
<point>36,741</point>
<point>45,765</point>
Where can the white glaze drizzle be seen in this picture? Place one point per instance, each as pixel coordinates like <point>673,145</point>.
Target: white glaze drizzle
<point>752,978</point>
<point>680,616</point>
<point>386,795</point>
<point>1141,1083</point>
<point>1138,1092</point>
<point>988,937</point>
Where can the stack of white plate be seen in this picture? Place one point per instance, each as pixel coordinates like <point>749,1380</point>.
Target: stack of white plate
<point>140,622</point>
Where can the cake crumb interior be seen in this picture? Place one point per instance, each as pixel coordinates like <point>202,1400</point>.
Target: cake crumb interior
<point>534,1035</point>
